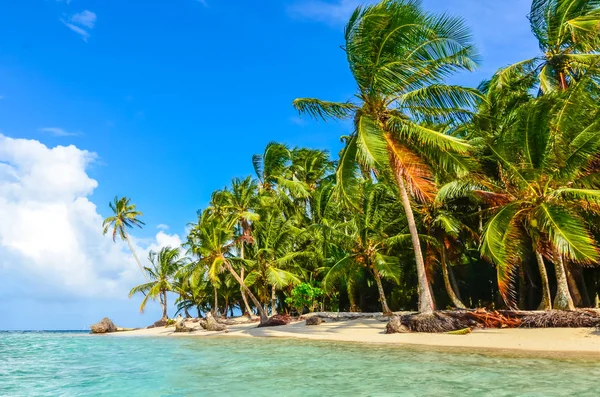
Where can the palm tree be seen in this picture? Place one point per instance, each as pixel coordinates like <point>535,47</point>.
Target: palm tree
<point>165,265</point>
<point>445,228</point>
<point>548,182</point>
<point>270,166</point>
<point>398,56</point>
<point>124,216</point>
<point>273,255</point>
<point>367,238</point>
<point>568,33</point>
<point>215,238</point>
<point>240,202</point>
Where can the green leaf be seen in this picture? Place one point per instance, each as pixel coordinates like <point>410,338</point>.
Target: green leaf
<point>324,109</point>
<point>567,233</point>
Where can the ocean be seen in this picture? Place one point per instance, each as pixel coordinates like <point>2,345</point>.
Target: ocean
<point>77,364</point>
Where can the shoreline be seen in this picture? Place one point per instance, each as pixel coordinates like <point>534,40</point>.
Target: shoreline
<point>573,342</point>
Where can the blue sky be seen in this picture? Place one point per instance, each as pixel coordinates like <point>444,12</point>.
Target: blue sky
<point>162,101</point>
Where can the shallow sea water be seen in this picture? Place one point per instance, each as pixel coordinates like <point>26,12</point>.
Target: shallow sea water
<point>77,364</point>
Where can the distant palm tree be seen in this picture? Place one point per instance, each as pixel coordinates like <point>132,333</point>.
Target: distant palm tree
<point>213,242</point>
<point>165,265</point>
<point>240,202</point>
<point>398,56</point>
<point>568,33</point>
<point>124,216</point>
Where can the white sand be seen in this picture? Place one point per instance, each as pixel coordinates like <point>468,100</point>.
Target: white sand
<point>565,340</point>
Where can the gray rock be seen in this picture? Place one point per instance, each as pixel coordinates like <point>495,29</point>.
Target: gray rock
<point>314,320</point>
<point>104,326</point>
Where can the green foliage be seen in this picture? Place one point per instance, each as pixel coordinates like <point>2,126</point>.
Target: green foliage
<point>304,295</point>
<point>479,182</point>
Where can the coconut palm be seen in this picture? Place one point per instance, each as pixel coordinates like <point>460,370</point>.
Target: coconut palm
<point>398,56</point>
<point>240,202</point>
<point>273,255</point>
<point>165,265</point>
<point>568,33</point>
<point>125,216</point>
<point>548,181</point>
<point>214,241</point>
<point>367,238</point>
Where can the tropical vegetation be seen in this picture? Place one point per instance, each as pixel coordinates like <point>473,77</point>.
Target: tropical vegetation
<point>442,195</point>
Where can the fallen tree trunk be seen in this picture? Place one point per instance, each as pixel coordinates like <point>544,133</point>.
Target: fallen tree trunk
<point>448,321</point>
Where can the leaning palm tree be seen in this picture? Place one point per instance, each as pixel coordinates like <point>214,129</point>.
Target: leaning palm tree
<point>240,203</point>
<point>165,265</point>
<point>273,255</point>
<point>398,56</point>
<point>568,33</point>
<point>125,216</point>
<point>548,183</point>
<point>215,239</point>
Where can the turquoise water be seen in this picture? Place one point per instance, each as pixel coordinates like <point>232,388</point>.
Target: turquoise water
<point>76,364</point>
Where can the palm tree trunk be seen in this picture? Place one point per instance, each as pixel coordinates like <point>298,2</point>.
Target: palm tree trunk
<point>244,298</point>
<point>453,297</point>
<point>187,314</point>
<point>164,305</point>
<point>226,308</point>
<point>562,300</point>
<point>585,293</point>
<point>273,301</point>
<point>573,288</point>
<point>384,306</point>
<point>137,259</point>
<point>263,316</point>
<point>350,292</point>
<point>522,297</point>
<point>546,297</point>
<point>215,308</point>
<point>426,303</point>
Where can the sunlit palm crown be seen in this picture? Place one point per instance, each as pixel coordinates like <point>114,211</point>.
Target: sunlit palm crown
<point>568,32</point>
<point>399,57</point>
<point>125,217</point>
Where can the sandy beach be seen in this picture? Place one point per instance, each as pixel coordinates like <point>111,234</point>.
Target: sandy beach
<point>563,340</point>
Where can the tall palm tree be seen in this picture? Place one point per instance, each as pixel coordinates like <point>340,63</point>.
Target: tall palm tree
<point>568,33</point>
<point>398,56</point>
<point>548,182</point>
<point>165,265</point>
<point>125,216</point>
<point>273,255</point>
<point>240,202</point>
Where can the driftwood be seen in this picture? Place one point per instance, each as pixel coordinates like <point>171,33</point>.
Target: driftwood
<point>277,320</point>
<point>210,324</point>
<point>314,320</point>
<point>459,320</point>
<point>349,316</point>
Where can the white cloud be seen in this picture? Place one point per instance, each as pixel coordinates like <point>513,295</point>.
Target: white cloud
<point>58,131</point>
<point>82,32</point>
<point>85,18</point>
<point>332,12</point>
<point>81,22</point>
<point>51,242</point>
<point>162,226</point>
